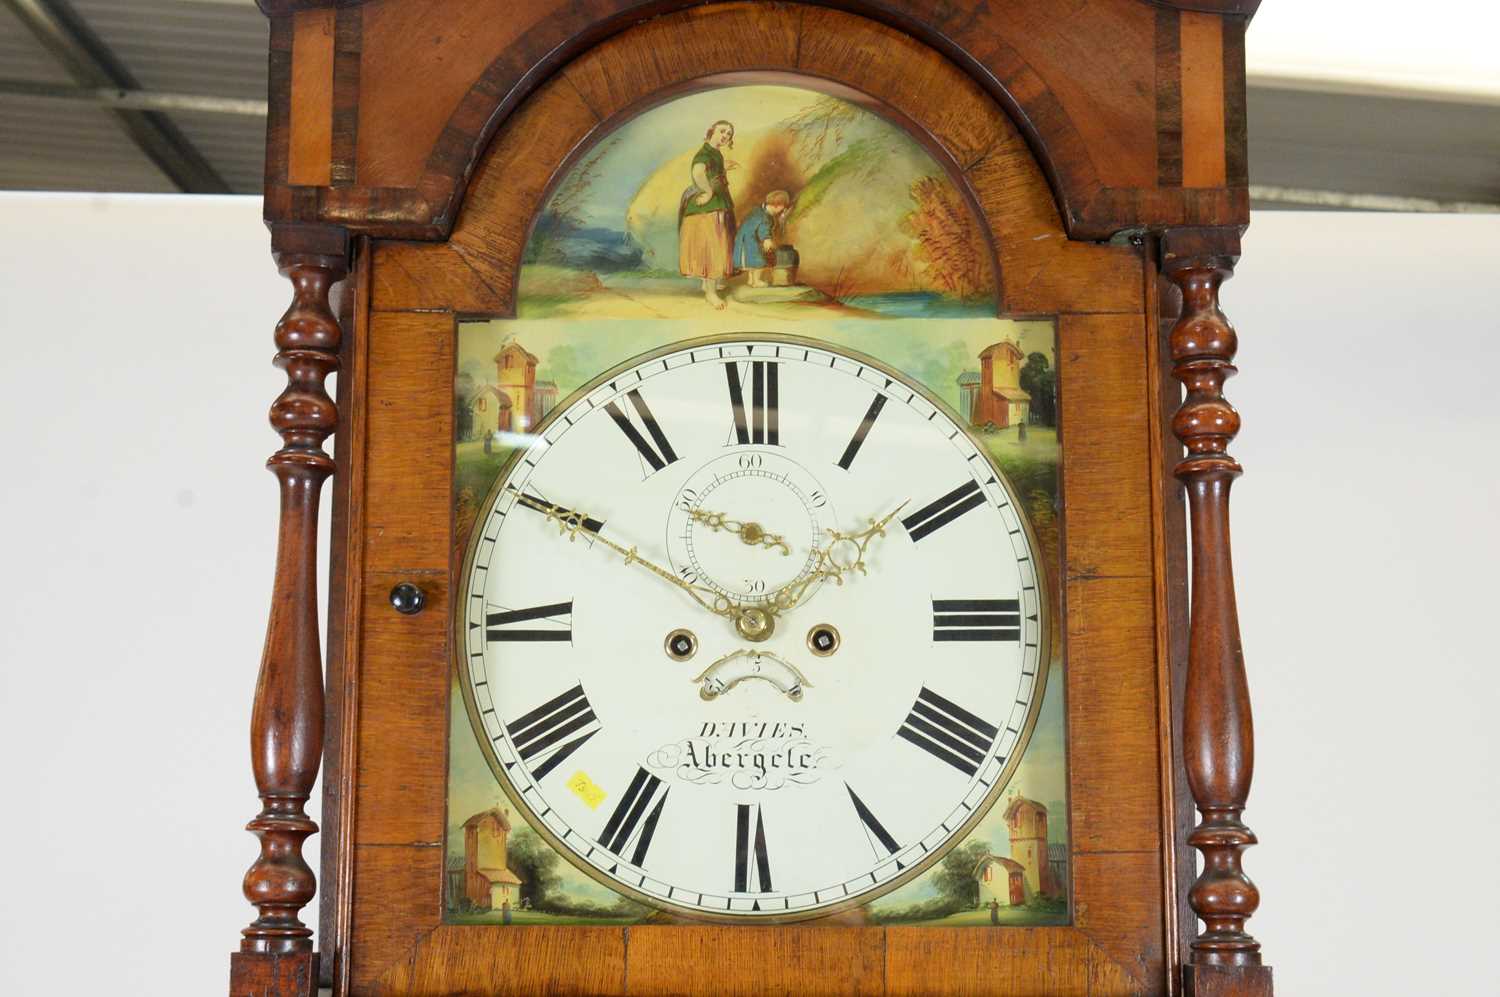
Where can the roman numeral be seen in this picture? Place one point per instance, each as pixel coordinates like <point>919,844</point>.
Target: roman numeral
<point>874,830</point>
<point>760,422</point>
<point>948,732</point>
<point>629,821</point>
<point>658,456</point>
<point>540,506</point>
<point>496,624</point>
<point>750,855</point>
<point>541,733</point>
<point>858,440</point>
<point>937,514</point>
<point>976,619</point>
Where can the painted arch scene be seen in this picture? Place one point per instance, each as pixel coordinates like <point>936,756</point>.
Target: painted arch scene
<point>782,209</point>
<point>760,200</point>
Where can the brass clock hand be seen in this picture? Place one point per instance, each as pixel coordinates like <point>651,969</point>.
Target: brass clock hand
<point>750,534</point>
<point>833,561</point>
<point>751,622</point>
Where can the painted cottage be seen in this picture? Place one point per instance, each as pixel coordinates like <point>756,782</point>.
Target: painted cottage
<point>516,401</point>
<point>488,882</point>
<point>993,397</point>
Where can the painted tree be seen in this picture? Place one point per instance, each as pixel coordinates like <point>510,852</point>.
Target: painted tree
<point>535,865</point>
<point>949,244</point>
<point>954,877</point>
<point>1040,382</point>
<point>818,129</point>
<point>564,213</point>
<point>464,390</point>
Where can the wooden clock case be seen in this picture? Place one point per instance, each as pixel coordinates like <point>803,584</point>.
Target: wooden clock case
<point>410,145</point>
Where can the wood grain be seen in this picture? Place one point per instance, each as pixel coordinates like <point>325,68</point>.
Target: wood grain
<point>311,99</point>
<point>1115,894</point>
<point>1227,981</point>
<point>344,121</point>
<point>438,77</point>
<point>1168,99</point>
<point>403,693</point>
<point>410,381</point>
<point>1041,271</point>
<point>1203,163</point>
<point>1169,530</point>
<point>345,575</point>
<point>256,974</point>
<point>1057,962</point>
<point>1103,362</point>
<point>397,904</point>
<point>495,961</point>
<point>735,961</point>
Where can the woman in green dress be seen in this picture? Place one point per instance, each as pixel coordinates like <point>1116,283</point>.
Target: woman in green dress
<point>705,218</point>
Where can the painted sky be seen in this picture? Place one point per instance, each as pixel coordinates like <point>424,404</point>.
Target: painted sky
<point>639,147</point>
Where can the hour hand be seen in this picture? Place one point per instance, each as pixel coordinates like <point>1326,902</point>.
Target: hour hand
<point>846,551</point>
<point>571,524</point>
<point>839,555</point>
<point>568,522</point>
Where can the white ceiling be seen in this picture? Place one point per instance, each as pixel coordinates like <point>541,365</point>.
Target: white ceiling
<point>1439,47</point>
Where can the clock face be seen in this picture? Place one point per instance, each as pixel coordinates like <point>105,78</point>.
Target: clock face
<point>752,629</point>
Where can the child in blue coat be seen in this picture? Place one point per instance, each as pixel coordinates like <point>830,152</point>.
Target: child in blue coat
<point>755,241</point>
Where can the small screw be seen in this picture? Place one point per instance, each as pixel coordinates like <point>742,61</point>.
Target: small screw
<point>407,599</point>
<point>823,639</point>
<point>681,645</point>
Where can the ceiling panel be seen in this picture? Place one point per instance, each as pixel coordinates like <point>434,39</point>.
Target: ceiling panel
<point>22,56</point>
<point>234,143</point>
<point>183,46</point>
<point>70,146</point>
<point>1440,150</point>
<point>1322,139</point>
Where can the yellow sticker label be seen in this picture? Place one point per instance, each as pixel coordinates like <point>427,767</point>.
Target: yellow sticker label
<point>584,788</point>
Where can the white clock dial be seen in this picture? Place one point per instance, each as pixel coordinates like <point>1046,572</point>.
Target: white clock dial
<point>732,772</point>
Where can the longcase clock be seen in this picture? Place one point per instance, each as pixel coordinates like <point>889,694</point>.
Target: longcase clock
<point>767,446</point>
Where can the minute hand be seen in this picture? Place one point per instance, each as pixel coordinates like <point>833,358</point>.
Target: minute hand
<point>570,524</point>
<point>842,554</point>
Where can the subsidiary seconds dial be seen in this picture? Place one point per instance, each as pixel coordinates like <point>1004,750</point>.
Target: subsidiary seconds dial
<point>752,629</point>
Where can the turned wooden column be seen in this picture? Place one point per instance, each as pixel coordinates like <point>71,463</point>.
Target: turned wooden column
<point>276,957</point>
<point>1217,737</point>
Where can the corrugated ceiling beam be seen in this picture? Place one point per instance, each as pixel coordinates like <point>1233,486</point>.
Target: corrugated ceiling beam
<point>91,63</point>
<point>138,100</point>
<point>1295,197</point>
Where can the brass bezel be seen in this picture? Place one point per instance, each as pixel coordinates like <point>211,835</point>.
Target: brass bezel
<point>680,632</point>
<point>838,639</point>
